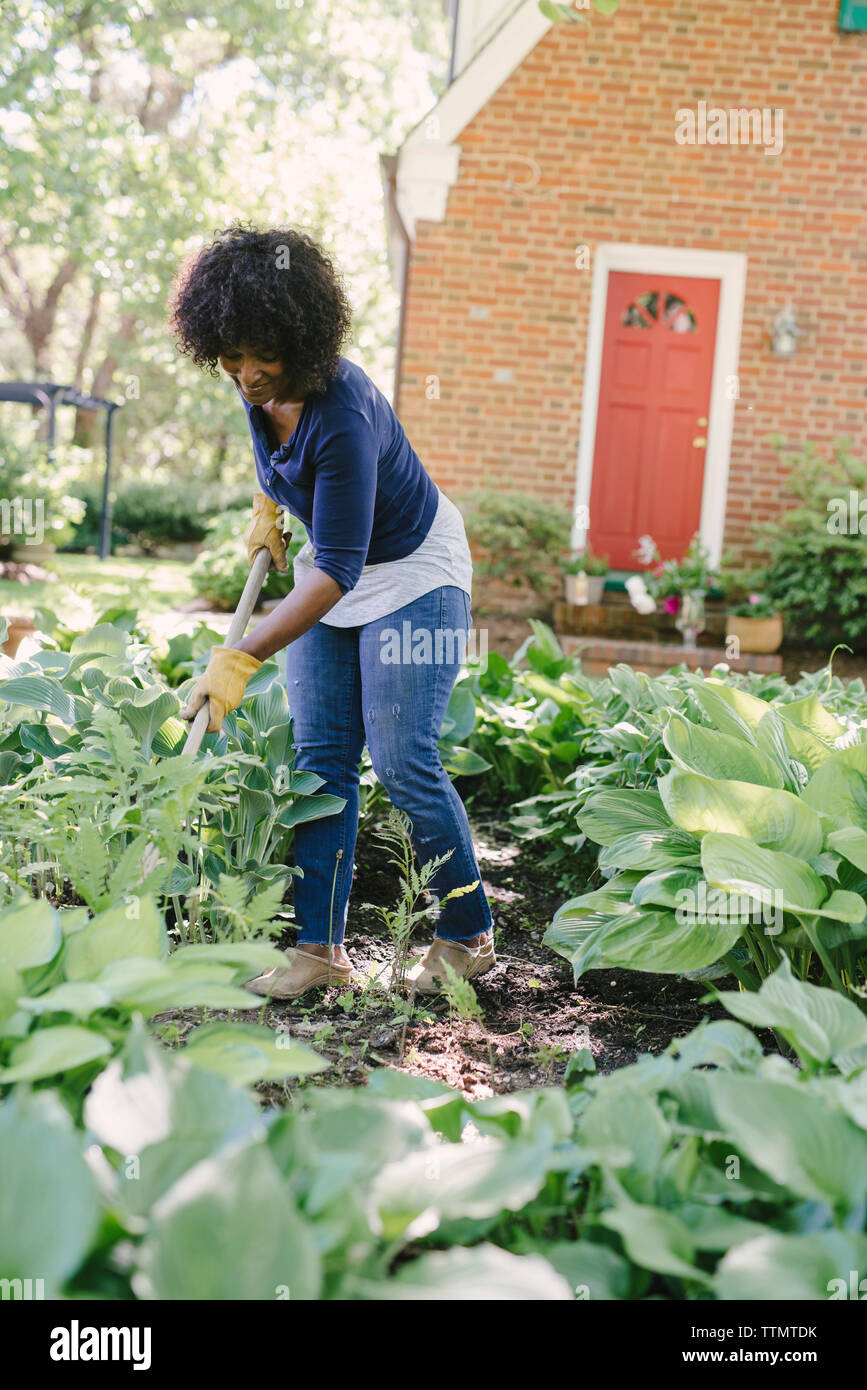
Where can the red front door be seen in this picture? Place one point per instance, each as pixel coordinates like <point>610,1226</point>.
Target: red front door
<point>654,399</point>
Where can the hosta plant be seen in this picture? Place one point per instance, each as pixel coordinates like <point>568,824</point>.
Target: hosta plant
<point>750,850</point>
<point>709,1172</point>
<point>70,985</point>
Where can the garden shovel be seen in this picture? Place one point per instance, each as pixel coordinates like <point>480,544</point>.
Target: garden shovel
<point>237,628</point>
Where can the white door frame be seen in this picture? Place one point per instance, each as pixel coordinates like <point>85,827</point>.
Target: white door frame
<point>730,268</point>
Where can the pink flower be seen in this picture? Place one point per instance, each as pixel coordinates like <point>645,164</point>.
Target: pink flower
<point>755,598</point>
<point>672,605</point>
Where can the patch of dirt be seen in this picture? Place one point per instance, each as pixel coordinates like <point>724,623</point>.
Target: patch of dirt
<point>534,1015</point>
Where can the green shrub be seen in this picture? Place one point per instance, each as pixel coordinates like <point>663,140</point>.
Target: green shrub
<point>151,515</point>
<point>750,849</point>
<point>816,573</point>
<point>658,1182</point>
<point>517,536</point>
<point>28,473</point>
<point>220,571</point>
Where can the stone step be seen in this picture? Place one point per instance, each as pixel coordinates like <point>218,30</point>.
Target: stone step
<point>599,653</point>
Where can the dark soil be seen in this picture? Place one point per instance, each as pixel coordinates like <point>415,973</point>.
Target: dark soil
<point>533,1013</point>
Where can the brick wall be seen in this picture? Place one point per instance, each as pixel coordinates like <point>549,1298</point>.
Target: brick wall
<point>587,123</point>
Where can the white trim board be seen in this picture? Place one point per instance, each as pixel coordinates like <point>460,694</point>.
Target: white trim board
<point>730,268</point>
<point>429,158</point>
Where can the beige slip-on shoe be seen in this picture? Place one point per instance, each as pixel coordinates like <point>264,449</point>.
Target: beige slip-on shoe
<point>425,974</point>
<point>302,973</point>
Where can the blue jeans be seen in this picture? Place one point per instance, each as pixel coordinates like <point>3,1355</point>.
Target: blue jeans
<point>348,686</point>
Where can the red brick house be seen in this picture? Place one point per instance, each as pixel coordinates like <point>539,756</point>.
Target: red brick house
<point>629,250</point>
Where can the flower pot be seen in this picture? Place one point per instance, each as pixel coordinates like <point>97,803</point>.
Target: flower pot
<point>595,588</point>
<point>760,636</point>
<point>19,628</point>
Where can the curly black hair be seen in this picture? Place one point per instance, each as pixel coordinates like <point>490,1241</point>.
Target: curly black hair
<point>275,290</point>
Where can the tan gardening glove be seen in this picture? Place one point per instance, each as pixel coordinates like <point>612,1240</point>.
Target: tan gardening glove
<point>264,530</point>
<point>222,686</point>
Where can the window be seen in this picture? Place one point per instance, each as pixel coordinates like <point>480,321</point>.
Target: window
<point>644,312</point>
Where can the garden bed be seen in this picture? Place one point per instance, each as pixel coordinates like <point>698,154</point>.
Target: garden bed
<point>535,1015</point>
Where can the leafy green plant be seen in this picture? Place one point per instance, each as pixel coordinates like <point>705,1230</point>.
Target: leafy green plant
<point>516,537</point>
<point>35,475</point>
<point>587,561</point>
<point>668,579</point>
<point>401,921</point>
<point>654,1182</point>
<point>220,570</point>
<point>750,850</point>
<point>816,572</point>
<point>70,985</point>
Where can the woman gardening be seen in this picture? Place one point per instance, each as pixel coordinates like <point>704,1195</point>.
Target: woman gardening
<point>385,548</point>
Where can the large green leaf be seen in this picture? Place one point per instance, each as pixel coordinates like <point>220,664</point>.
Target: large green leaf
<point>29,934</point>
<point>147,711</point>
<point>795,1268</point>
<point>139,982</point>
<point>228,1230</point>
<point>650,849</point>
<point>642,940</point>
<point>449,1181</point>
<point>168,1113</point>
<point>129,929</point>
<point>655,1239</point>
<point>607,816</point>
<point>800,745</point>
<point>740,717</point>
<point>736,864</point>
<point>80,998</point>
<point>46,694</point>
<point>484,1272</point>
<point>816,718</point>
<point>625,1129</point>
<point>791,1134</point>
<point>49,1207</point>
<point>593,1271</point>
<point>246,1052</point>
<point>851,842</point>
<point>775,819</point>
<point>310,808</point>
<point>50,1051</point>
<point>714,754</point>
<point>838,791</point>
<point>818,1022</point>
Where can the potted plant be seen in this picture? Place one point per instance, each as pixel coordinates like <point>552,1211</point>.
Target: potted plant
<point>682,585</point>
<point>18,626</point>
<point>756,624</point>
<point>594,569</point>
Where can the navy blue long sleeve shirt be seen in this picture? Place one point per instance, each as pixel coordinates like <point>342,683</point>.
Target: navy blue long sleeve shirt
<point>350,474</point>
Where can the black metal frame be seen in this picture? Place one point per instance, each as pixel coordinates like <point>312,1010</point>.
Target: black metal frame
<point>49,395</point>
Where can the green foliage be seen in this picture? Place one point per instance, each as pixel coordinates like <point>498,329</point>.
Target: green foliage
<point>749,850</point>
<point>220,571</point>
<point>587,561</point>
<point>99,802</point>
<point>816,572</point>
<point>516,536</point>
<point>672,578</point>
<point>402,920</point>
<point>70,987</point>
<point>150,515</point>
<point>708,1172</point>
<point>32,475</point>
